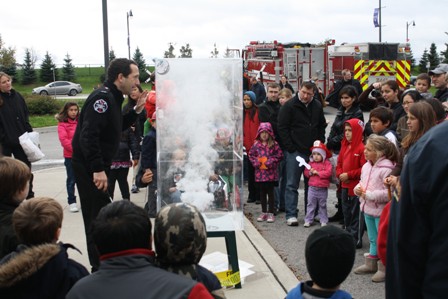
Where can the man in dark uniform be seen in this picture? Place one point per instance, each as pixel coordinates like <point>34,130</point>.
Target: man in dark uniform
<point>97,138</point>
<point>417,260</point>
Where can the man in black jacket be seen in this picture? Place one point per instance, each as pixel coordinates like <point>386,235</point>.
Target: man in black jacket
<point>97,138</point>
<point>417,263</point>
<point>333,98</point>
<point>268,110</point>
<point>301,121</point>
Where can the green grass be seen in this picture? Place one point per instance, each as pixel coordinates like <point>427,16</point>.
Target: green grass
<point>88,77</point>
<point>39,121</point>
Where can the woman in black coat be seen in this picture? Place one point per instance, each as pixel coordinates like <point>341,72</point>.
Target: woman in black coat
<point>348,110</point>
<point>285,84</point>
<point>14,121</point>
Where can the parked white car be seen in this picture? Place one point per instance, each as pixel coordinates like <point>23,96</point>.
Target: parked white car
<point>59,88</point>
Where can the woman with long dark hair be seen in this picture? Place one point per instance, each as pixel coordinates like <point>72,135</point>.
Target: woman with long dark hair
<point>14,121</point>
<point>67,122</point>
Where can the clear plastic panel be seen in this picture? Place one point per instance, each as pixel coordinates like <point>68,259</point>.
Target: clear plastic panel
<point>200,137</point>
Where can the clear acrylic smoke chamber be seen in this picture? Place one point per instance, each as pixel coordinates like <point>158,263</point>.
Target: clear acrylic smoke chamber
<point>200,138</point>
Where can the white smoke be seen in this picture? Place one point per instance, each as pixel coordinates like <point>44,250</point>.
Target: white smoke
<point>195,97</point>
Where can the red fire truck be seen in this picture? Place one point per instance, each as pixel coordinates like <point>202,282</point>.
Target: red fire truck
<point>299,61</point>
<point>323,63</point>
<point>373,62</point>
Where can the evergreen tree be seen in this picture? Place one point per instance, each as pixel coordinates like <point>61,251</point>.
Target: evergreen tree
<point>170,52</point>
<point>7,59</point>
<point>68,70</point>
<point>186,51</point>
<point>47,68</point>
<point>444,55</point>
<point>433,56</point>
<point>112,55</point>
<point>140,60</point>
<point>215,52</point>
<point>29,75</point>
<point>228,53</point>
<point>423,62</point>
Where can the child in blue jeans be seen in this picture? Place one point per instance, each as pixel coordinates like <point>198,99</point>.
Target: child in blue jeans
<point>67,122</point>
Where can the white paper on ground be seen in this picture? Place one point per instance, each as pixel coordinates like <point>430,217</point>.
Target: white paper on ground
<point>218,262</point>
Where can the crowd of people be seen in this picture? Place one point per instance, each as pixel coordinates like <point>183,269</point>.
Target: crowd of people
<point>390,174</point>
<point>370,157</point>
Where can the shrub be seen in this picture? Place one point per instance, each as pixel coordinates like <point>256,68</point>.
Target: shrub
<point>42,105</point>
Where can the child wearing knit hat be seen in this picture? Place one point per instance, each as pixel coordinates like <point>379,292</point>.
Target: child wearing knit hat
<point>319,176</point>
<point>329,255</point>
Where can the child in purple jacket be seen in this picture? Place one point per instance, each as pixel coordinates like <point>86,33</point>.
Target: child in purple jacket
<point>265,155</point>
<point>319,180</point>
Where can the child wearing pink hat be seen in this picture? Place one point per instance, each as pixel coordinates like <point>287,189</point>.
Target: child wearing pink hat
<point>319,176</point>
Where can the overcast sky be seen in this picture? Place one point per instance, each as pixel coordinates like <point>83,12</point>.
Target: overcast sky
<point>76,27</point>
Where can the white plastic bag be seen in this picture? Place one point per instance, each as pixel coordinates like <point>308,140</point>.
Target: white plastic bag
<point>30,144</point>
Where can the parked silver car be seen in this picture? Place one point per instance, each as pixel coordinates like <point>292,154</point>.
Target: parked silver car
<point>58,88</point>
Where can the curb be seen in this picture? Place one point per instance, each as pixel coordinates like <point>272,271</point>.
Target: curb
<point>281,272</point>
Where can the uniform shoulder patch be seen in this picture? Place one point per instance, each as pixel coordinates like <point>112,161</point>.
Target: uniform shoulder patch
<point>100,106</point>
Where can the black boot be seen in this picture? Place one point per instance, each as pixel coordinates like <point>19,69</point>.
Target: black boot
<point>336,217</point>
<point>339,216</point>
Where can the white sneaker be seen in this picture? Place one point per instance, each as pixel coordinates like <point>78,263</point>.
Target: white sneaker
<point>307,224</point>
<point>323,224</point>
<point>292,221</point>
<point>73,208</point>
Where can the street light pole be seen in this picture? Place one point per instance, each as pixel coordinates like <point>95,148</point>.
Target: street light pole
<point>105,37</point>
<point>129,14</point>
<point>379,19</point>
<point>407,29</point>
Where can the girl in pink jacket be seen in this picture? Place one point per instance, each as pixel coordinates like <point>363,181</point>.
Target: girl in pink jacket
<point>319,180</point>
<point>265,155</point>
<point>381,156</point>
<point>68,119</point>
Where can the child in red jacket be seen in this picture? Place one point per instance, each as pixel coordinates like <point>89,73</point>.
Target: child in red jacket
<point>350,161</point>
<point>319,180</point>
